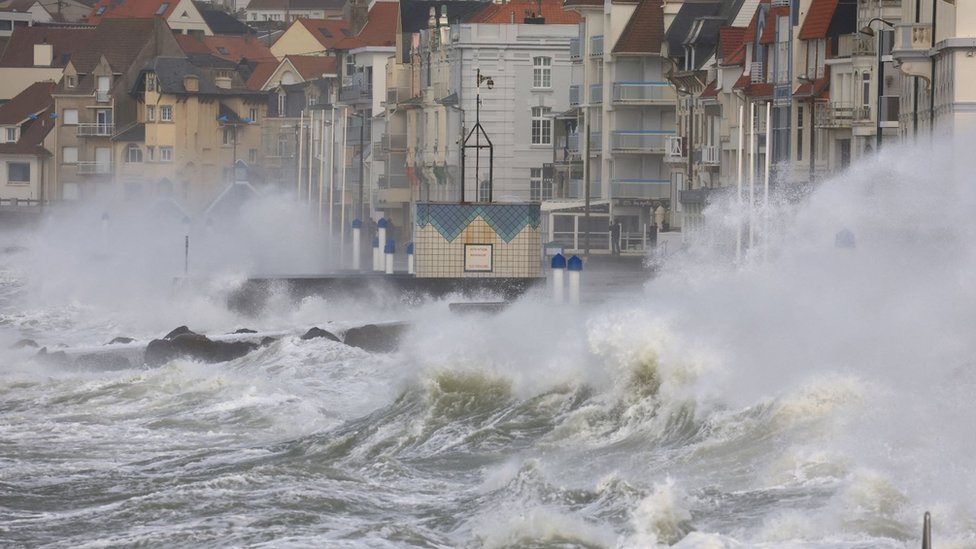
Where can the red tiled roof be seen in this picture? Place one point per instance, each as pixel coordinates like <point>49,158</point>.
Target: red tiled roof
<point>34,99</point>
<point>229,47</point>
<point>312,67</point>
<point>759,89</point>
<point>644,32</point>
<point>262,72</point>
<point>818,18</point>
<point>817,88</point>
<point>380,29</point>
<point>711,90</point>
<point>329,32</point>
<point>131,8</point>
<point>20,47</point>
<point>730,41</point>
<point>769,29</point>
<point>552,12</point>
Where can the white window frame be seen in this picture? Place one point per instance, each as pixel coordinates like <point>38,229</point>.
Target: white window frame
<point>69,117</point>
<point>541,126</point>
<point>70,81</point>
<point>165,113</point>
<point>11,180</point>
<point>69,155</point>
<point>11,134</point>
<point>133,154</point>
<point>535,184</point>
<point>166,154</point>
<point>542,72</point>
<point>150,113</point>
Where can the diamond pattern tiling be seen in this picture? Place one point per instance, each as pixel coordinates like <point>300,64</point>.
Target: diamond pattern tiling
<point>450,220</point>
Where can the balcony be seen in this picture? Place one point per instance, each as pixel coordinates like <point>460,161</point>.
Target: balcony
<point>709,155</point>
<point>641,188</point>
<point>596,46</point>
<point>574,96</point>
<point>863,46</point>
<point>573,142</point>
<point>355,90</point>
<point>575,48</point>
<point>95,130</point>
<point>836,115</point>
<point>596,94</point>
<point>94,168</point>
<point>675,147</point>
<point>911,48</point>
<point>102,96</point>
<point>643,93</point>
<point>576,188</point>
<point>862,115</point>
<point>640,141</point>
<point>394,181</point>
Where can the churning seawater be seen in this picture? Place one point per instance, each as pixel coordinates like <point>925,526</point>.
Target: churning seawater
<point>808,397</point>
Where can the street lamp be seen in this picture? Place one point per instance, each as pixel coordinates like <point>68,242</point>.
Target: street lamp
<point>868,31</point>
<point>813,141</point>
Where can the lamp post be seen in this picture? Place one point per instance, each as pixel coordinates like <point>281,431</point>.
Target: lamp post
<point>813,143</point>
<point>867,30</point>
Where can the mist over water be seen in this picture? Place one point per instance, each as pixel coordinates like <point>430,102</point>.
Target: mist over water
<point>808,396</point>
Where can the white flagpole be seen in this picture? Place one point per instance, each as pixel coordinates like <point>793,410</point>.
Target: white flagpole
<point>738,224</point>
<point>332,178</point>
<point>321,163</point>
<point>752,172</point>
<point>301,146</point>
<point>769,149</point>
<point>311,149</point>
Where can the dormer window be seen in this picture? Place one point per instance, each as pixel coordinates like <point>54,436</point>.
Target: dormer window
<point>70,81</point>
<point>100,11</point>
<point>11,135</point>
<point>162,8</point>
<point>150,81</point>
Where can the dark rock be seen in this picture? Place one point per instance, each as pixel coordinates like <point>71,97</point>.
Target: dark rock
<point>383,338</point>
<point>316,332</point>
<point>245,331</point>
<point>104,361</point>
<point>196,347</point>
<point>122,340</point>
<point>57,358</point>
<point>24,343</point>
<point>267,341</point>
<point>178,331</point>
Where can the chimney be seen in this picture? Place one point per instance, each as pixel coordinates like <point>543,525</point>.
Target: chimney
<point>432,18</point>
<point>443,20</point>
<point>43,54</point>
<point>191,83</point>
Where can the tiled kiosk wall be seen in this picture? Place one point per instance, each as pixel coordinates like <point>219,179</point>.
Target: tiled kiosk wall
<point>447,234</point>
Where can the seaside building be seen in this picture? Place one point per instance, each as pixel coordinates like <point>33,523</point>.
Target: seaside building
<point>38,54</point>
<point>25,148</point>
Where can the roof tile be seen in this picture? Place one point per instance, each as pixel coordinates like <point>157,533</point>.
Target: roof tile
<point>818,18</point>
<point>644,32</point>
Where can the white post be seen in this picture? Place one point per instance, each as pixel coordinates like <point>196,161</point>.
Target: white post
<point>376,254</point>
<point>410,266</point>
<point>752,171</point>
<point>558,278</point>
<point>342,192</point>
<point>389,250</point>
<point>311,149</point>
<point>575,267</point>
<point>332,185</point>
<point>738,224</point>
<point>769,149</point>
<point>356,229</point>
<point>301,147</point>
<point>321,164</point>
<point>381,235</point>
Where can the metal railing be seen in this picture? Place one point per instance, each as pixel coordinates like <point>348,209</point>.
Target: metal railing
<point>575,48</point>
<point>596,94</point>
<point>641,188</point>
<point>95,130</point>
<point>675,148</point>
<point>102,96</point>
<point>596,45</point>
<point>646,141</point>
<point>756,72</point>
<point>710,154</point>
<point>643,92</point>
<point>835,115</point>
<point>94,168</point>
<point>574,95</point>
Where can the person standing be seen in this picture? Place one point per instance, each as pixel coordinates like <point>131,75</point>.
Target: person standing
<point>615,238</point>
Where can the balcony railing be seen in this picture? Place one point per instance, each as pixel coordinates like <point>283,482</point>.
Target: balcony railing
<point>95,130</point>
<point>394,181</point>
<point>596,94</point>
<point>643,92</point>
<point>863,45</point>
<point>94,168</point>
<point>574,95</point>
<point>862,114</point>
<point>710,155</point>
<point>641,188</point>
<point>835,115</point>
<point>102,96</point>
<point>356,90</point>
<point>576,188</point>
<point>596,141</point>
<point>912,40</point>
<point>675,147</point>
<point>596,46</point>
<point>640,141</point>
<point>575,49</point>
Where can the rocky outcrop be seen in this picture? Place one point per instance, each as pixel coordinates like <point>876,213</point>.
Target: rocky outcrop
<point>377,338</point>
<point>315,332</point>
<point>120,340</point>
<point>196,347</point>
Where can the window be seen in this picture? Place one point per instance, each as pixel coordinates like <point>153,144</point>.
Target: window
<point>252,156</point>
<point>150,154</point>
<point>69,155</point>
<point>150,113</point>
<point>166,154</point>
<point>541,126</point>
<point>282,104</point>
<point>133,154</point>
<point>799,132</point>
<point>539,188</point>
<point>162,8</point>
<point>230,135</point>
<point>18,172</point>
<point>11,135</point>
<point>253,114</point>
<point>70,81</point>
<point>70,117</point>
<point>166,113</point>
<point>100,11</point>
<point>483,191</point>
<point>150,81</point>
<point>866,93</point>
<point>541,72</point>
